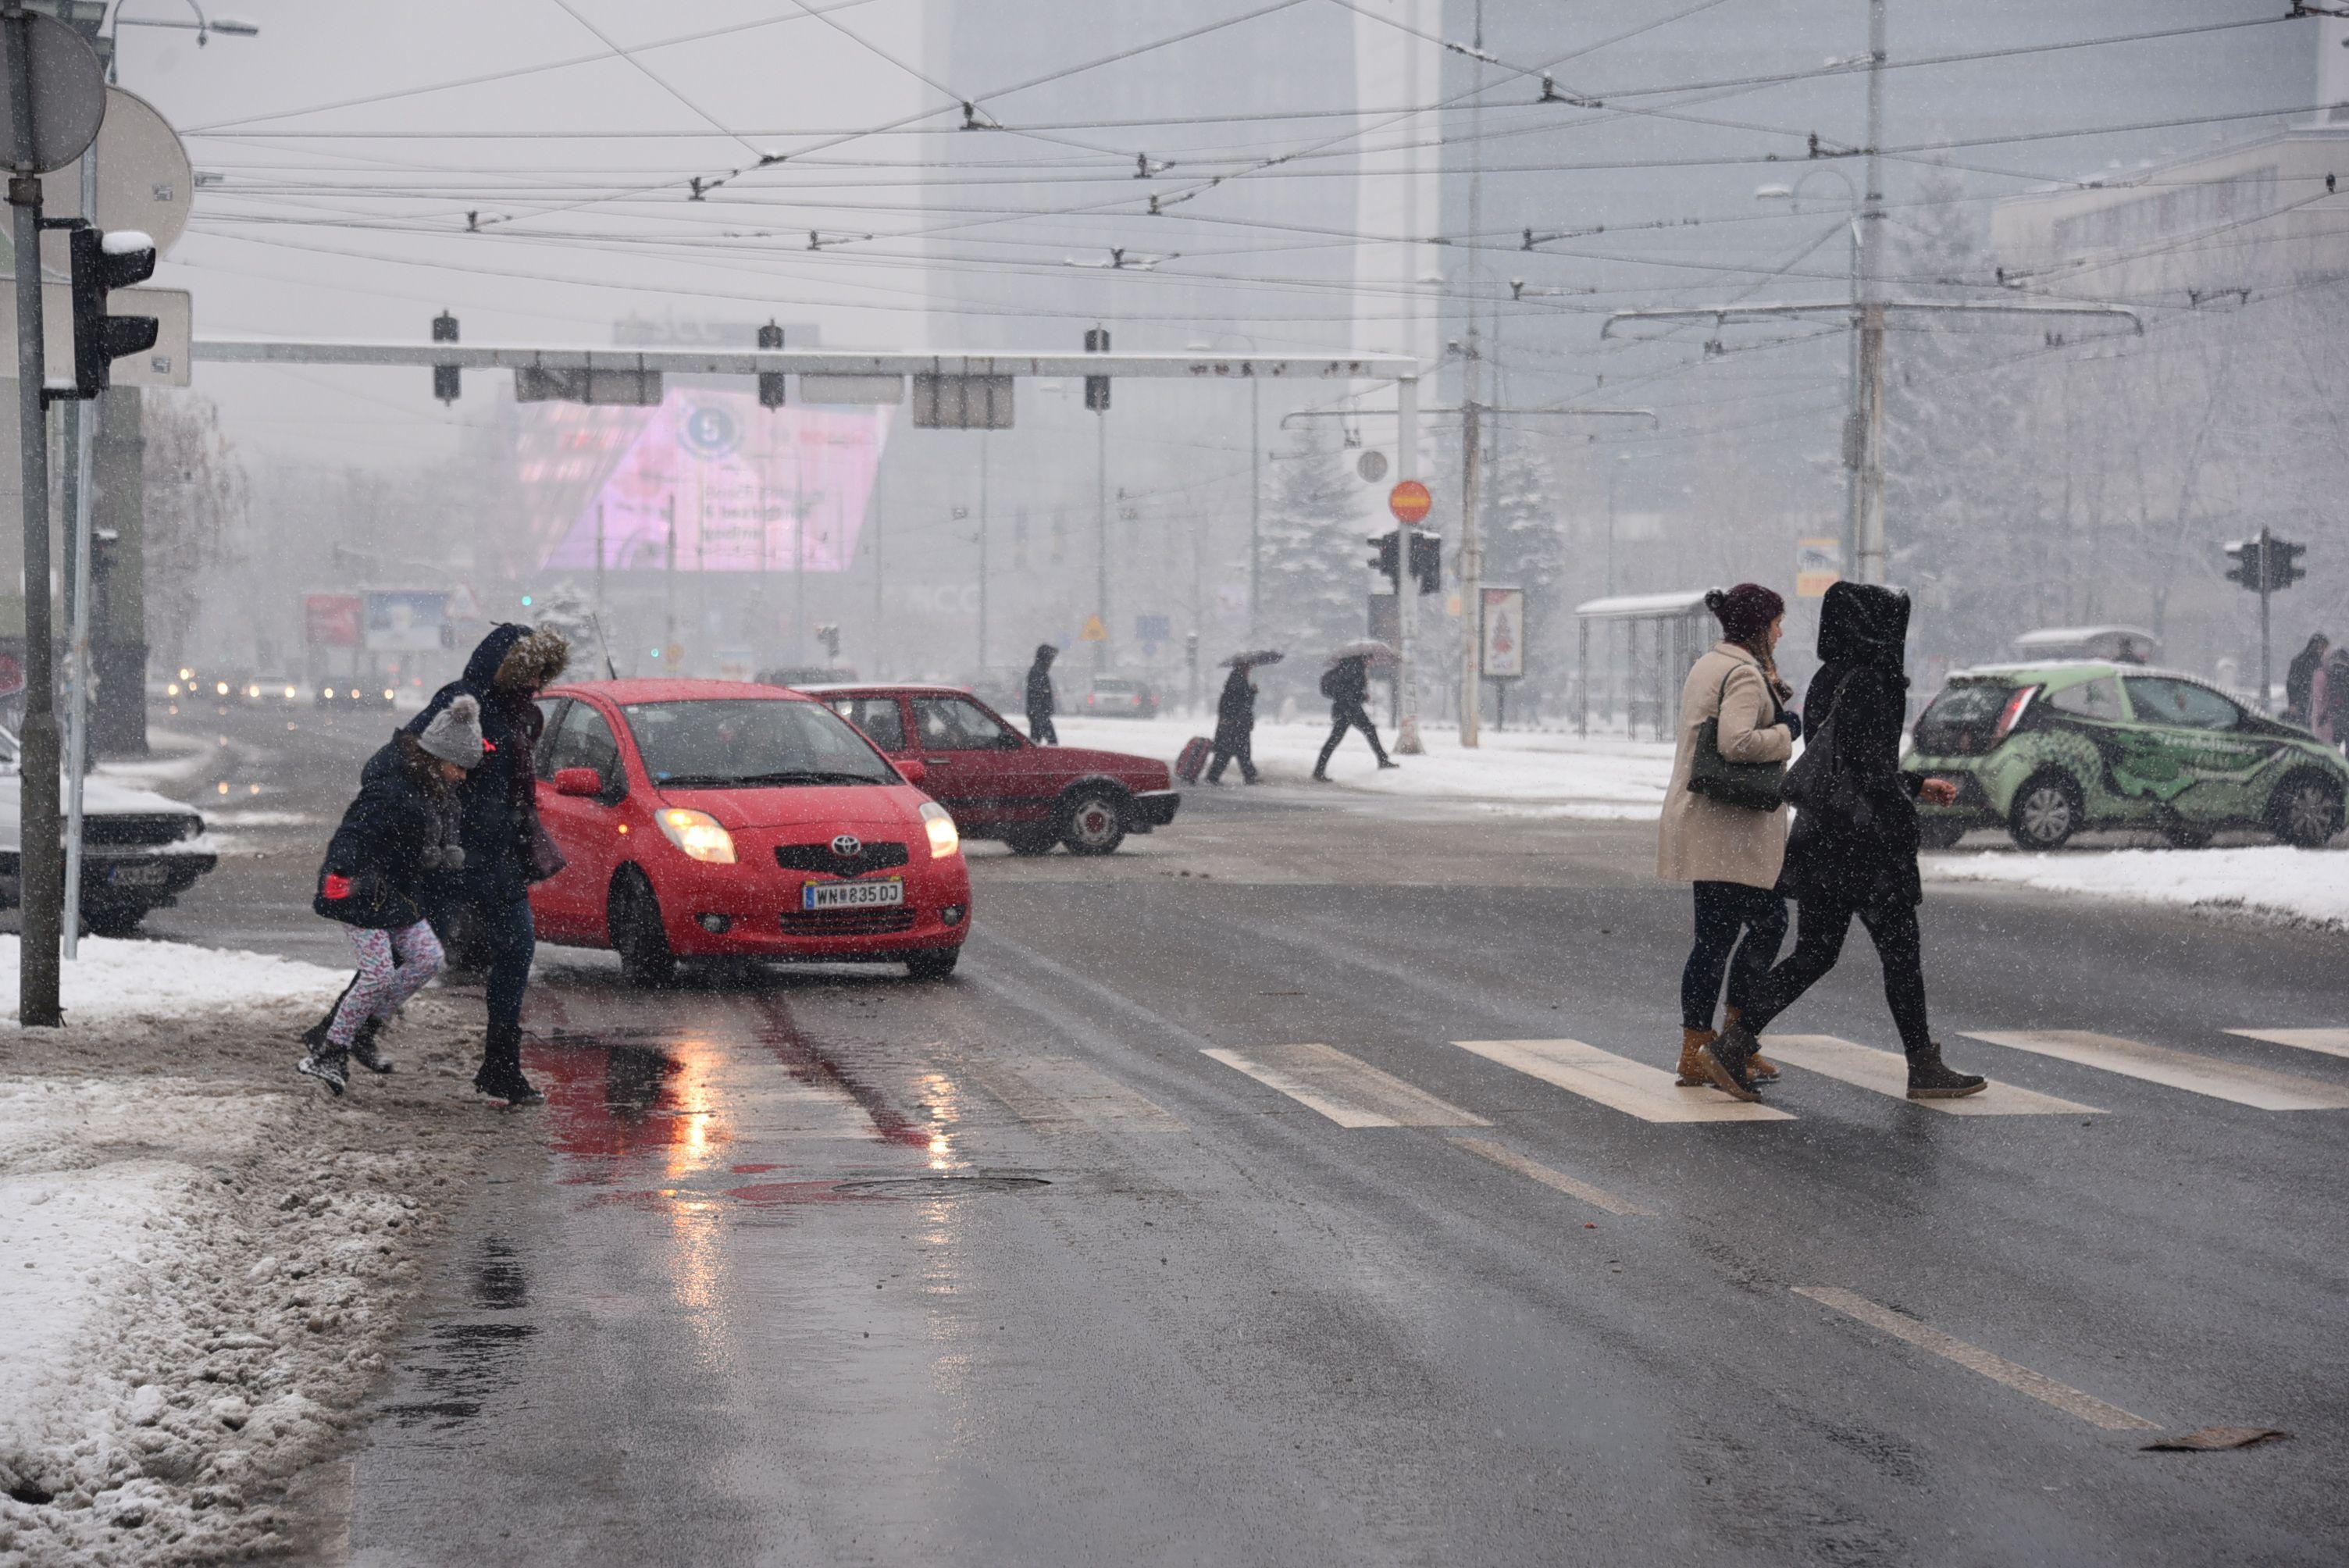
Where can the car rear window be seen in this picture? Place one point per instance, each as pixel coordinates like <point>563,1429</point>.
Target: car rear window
<point>1965,704</point>
<point>749,743</point>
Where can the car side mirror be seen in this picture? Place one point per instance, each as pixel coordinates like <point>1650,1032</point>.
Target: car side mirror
<point>912,769</point>
<point>583,781</point>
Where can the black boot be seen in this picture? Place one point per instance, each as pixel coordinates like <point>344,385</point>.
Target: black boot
<point>324,1062</point>
<point>1929,1077</point>
<point>363,1049</point>
<point>501,1077</point>
<point>1724,1061</point>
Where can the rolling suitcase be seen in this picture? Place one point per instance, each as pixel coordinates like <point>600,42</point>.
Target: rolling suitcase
<point>1193,758</point>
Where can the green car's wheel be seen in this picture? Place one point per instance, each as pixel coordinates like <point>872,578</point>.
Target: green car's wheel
<point>2305,810</point>
<point>2046,811</point>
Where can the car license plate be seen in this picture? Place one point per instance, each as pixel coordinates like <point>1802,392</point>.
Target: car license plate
<point>853,894</point>
<point>139,876</point>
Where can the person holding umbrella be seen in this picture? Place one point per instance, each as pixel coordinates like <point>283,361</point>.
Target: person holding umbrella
<point>1347,684</point>
<point>1235,716</point>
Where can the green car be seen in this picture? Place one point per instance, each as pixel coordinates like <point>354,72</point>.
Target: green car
<point>2046,750</point>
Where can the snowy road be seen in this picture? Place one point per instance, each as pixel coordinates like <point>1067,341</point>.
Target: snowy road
<point>1301,1185</point>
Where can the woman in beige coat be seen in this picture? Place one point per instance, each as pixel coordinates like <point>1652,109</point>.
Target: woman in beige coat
<point>1732,853</point>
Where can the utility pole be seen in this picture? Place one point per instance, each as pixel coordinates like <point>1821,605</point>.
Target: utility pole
<point>982,550</point>
<point>1255,504</point>
<point>880,639</point>
<point>1406,589</point>
<point>1871,552</point>
<point>1097,398</point>
<point>668,581</point>
<point>41,863</point>
<point>1472,434</point>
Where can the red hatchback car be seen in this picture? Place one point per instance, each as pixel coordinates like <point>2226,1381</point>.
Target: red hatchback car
<point>708,819</point>
<point>999,783</point>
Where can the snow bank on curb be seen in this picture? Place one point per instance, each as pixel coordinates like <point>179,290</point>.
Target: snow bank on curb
<point>200,1277</point>
<point>131,978</point>
<point>2273,880</point>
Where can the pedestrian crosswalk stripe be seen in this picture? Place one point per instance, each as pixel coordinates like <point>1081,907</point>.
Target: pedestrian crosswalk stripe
<point>1997,1368</point>
<point>2331,1042</point>
<point>1049,1091</point>
<point>1886,1072</point>
<point>1349,1092</point>
<point>1618,1082</point>
<point>1508,1159</point>
<point>2256,1087</point>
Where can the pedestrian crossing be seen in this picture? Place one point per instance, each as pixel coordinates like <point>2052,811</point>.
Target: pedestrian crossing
<point>2258,1088</point>
<point>1354,1094</point>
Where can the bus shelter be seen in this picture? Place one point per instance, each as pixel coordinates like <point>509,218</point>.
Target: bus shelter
<point>1647,642</point>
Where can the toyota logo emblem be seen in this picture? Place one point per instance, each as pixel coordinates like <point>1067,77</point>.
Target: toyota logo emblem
<point>846,845</point>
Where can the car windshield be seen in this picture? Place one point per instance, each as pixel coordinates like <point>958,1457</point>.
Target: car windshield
<point>730,743</point>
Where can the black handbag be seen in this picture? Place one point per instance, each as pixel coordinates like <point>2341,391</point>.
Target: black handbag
<point>1750,786</point>
<point>1821,789</point>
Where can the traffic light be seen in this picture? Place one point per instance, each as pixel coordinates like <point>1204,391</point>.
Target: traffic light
<point>102,262</point>
<point>1386,563</point>
<point>770,382</point>
<point>2248,563</point>
<point>2283,570</point>
<point>1427,561</point>
<point>1097,387</point>
<point>444,377</point>
<point>829,635</point>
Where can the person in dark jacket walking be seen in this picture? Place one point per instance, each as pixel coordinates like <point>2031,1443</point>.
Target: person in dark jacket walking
<point>1040,702</point>
<point>1347,685</point>
<point>2300,679</point>
<point>2333,710</point>
<point>1235,727</point>
<point>402,831</point>
<point>506,849</point>
<point>1853,846</point>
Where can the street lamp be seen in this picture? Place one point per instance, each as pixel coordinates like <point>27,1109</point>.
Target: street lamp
<point>203,27</point>
<point>1793,195</point>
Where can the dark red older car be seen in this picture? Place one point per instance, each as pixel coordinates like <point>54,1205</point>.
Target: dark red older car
<point>998,783</point>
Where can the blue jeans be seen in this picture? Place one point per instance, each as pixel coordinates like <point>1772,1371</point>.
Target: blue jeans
<point>1725,913</point>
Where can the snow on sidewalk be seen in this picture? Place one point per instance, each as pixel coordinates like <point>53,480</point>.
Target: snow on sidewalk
<point>2271,880</point>
<point>204,1257</point>
<point>1514,771</point>
<point>133,977</point>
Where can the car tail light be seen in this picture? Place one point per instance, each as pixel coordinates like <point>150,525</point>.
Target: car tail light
<point>2012,715</point>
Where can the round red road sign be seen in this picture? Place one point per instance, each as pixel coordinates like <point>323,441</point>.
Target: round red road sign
<point>1410,501</point>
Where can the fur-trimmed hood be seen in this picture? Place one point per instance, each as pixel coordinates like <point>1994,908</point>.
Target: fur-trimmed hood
<point>536,660</point>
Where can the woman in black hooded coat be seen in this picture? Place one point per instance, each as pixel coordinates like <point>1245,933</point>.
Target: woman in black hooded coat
<point>1852,851</point>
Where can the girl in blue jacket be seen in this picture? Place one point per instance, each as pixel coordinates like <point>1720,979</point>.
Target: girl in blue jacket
<point>402,831</point>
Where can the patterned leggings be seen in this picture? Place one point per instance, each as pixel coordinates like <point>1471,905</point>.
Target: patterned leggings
<point>381,986</point>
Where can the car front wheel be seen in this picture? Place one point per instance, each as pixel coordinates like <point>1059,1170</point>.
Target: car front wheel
<point>2305,810</point>
<point>2045,813</point>
<point>933,964</point>
<point>638,934</point>
<point>1093,822</point>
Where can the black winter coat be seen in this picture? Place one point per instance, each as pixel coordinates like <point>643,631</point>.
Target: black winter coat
<point>1349,684</point>
<point>1235,711</point>
<point>393,843</point>
<point>2300,680</point>
<point>1040,690</point>
<point>1871,860</point>
<point>495,799</point>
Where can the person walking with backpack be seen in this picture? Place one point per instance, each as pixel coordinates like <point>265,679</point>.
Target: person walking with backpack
<point>506,849</point>
<point>1347,684</point>
<point>1852,851</point>
<point>401,830</point>
<point>1236,727</point>
<point>1040,702</point>
<point>1724,828</point>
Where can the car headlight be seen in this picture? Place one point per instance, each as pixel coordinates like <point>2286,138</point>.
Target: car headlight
<point>944,838</point>
<point>386,694</point>
<point>697,835</point>
<point>290,693</point>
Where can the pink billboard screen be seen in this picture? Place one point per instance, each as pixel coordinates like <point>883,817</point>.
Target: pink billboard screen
<point>748,488</point>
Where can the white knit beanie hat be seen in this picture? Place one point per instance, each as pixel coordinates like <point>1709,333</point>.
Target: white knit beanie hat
<point>455,733</point>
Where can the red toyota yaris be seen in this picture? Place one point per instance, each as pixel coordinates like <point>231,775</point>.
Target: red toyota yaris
<point>708,819</point>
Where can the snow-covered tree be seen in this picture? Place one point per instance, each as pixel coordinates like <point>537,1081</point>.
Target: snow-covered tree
<point>1313,534</point>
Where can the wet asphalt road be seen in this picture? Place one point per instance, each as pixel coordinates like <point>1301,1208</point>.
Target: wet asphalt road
<point>825,1266</point>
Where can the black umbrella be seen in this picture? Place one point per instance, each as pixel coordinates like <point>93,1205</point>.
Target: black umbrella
<point>1249,661</point>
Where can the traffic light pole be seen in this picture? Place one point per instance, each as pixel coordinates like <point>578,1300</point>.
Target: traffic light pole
<point>79,544</point>
<point>40,873</point>
<point>2267,586</point>
<point>1406,589</point>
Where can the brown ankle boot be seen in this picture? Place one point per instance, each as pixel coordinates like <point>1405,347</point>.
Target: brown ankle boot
<point>1757,1067</point>
<point>1692,1073</point>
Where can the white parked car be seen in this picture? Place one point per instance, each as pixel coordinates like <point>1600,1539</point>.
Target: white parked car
<point>140,850</point>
